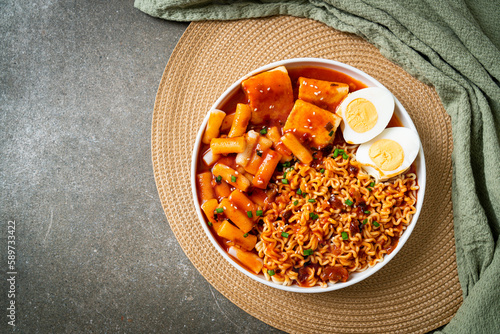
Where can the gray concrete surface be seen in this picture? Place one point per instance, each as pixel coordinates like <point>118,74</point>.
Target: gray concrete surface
<point>94,251</point>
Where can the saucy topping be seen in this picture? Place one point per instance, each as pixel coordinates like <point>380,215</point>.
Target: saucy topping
<point>286,215</point>
<point>305,272</point>
<point>335,274</point>
<point>352,170</point>
<point>335,202</point>
<point>354,227</point>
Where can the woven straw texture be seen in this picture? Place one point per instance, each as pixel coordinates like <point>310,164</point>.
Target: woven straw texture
<point>418,290</point>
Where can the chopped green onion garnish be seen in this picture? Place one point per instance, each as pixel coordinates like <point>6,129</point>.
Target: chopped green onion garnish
<point>313,216</point>
<point>263,131</point>
<point>370,189</point>
<point>249,214</point>
<point>284,234</point>
<point>209,224</point>
<point>331,133</point>
<point>299,192</point>
<point>259,153</point>
<point>372,184</point>
<point>348,202</point>
<point>365,221</point>
<point>345,236</point>
<point>245,235</point>
<point>284,175</point>
<point>376,224</point>
<point>345,156</point>
<point>259,213</point>
<point>308,252</point>
<point>295,203</point>
<point>336,153</point>
<point>322,170</point>
<point>284,181</point>
<point>218,179</point>
<point>219,210</point>
<point>367,212</point>
<point>270,272</point>
<point>287,164</point>
<point>311,200</point>
<point>233,178</point>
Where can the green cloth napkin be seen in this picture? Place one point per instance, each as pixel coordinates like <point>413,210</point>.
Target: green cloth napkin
<point>454,46</point>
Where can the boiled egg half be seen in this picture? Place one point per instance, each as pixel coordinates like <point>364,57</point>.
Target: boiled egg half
<point>365,114</point>
<point>390,153</point>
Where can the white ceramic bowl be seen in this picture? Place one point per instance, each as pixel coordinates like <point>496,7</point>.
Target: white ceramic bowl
<point>403,117</point>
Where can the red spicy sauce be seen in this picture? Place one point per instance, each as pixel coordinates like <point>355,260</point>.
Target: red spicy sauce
<point>325,74</point>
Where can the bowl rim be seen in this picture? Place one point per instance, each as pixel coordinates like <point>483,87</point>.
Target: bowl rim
<point>403,116</point>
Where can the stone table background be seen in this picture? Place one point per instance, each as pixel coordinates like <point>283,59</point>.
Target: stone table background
<point>95,253</point>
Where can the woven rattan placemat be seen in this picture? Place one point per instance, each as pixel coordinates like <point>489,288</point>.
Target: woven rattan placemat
<point>418,290</point>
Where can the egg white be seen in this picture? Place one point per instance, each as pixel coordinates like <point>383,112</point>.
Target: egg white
<point>409,141</point>
<point>383,101</point>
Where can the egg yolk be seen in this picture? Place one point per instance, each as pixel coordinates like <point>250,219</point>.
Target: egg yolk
<point>387,154</point>
<point>361,115</point>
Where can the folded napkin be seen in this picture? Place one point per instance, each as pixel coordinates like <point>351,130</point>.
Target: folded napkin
<point>454,46</point>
